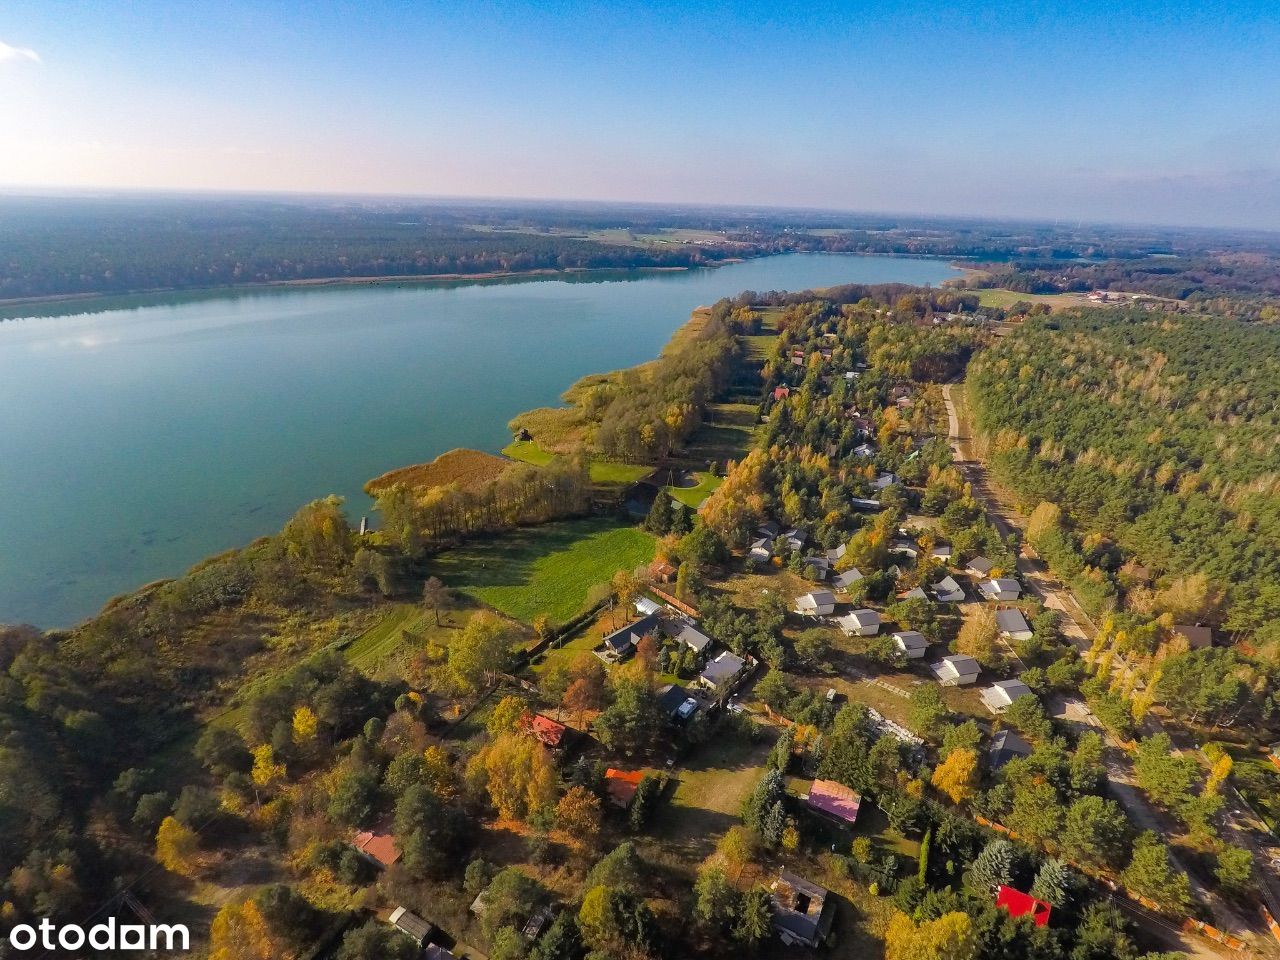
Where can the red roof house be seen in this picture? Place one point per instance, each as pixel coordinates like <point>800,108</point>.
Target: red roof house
<point>544,729</point>
<point>377,845</point>
<point>780,392</point>
<point>1021,904</point>
<point>622,785</point>
<point>835,800</point>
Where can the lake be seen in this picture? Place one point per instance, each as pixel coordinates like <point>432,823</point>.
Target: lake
<point>137,441</point>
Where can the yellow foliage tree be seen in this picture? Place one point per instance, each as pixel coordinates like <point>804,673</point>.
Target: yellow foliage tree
<point>578,815</point>
<point>519,776</point>
<point>437,772</point>
<point>305,725</point>
<point>957,776</point>
<point>177,847</point>
<point>266,772</point>
<point>240,932</point>
<point>950,937</point>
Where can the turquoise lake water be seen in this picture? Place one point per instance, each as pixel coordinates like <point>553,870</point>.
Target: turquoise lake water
<point>135,442</point>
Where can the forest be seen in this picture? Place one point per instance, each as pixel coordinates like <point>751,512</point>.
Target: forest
<point>1184,481</point>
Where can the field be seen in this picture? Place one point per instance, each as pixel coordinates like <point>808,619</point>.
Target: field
<point>603,472</point>
<point>727,434</point>
<point>692,497</point>
<point>999,297</point>
<point>546,569</point>
<point>467,468</point>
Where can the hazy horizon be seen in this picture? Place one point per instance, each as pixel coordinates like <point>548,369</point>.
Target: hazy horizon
<point>1129,113</point>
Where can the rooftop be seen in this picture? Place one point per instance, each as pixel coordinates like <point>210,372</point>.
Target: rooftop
<point>834,799</point>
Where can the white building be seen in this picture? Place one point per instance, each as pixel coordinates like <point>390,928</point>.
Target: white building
<point>1013,625</point>
<point>819,603</point>
<point>999,696</point>
<point>1001,588</point>
<point>957,670</point>
<point>860,623</point>
<point>911,643</point>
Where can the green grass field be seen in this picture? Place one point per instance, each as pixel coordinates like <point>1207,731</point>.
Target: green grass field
<point>692,497</point>
<point>999,297</point>
<point>604,472</point>
<point>381,640</point>
<point>529,452</point>
<point>546,569</point>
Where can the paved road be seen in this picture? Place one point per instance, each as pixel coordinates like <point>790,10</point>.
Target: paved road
<point>1055,596</point>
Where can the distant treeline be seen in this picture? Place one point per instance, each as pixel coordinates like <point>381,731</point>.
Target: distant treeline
<point>104,248</point>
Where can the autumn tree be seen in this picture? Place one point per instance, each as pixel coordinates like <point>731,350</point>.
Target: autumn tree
<point>518,775</point>
<point>177,847</point>
<point>958,775</point>
<point>977,637</point>
<point>506,715</point>
<point>578,815</point>
<point>240,932</point>
<point>949,937</point>
<point>481,650</point>
<point>435,596</point>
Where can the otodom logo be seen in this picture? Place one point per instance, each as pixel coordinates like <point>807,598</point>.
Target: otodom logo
<point>107,935</point>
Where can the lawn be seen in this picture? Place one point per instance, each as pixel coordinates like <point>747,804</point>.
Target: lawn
<point>708,797</point>
<point>727,434</point>
<point>529,452</point>
<point>602,471</point>
<point>546,569</point>
<point>692,497</point>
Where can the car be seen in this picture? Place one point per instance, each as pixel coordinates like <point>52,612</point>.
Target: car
<point>735,707</point>
<point>831,695</point>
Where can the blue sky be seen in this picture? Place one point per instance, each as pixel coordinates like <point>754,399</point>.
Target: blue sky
<point>1131,111</point>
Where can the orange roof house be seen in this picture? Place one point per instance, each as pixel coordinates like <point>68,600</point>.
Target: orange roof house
<point>544,729</point>
<point>377,845</point>
<point>1021,904</point>
<point>621,785</point>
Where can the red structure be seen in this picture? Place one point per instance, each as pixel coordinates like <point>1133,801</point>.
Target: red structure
<point>548,731</point>
<point>1021,904</point>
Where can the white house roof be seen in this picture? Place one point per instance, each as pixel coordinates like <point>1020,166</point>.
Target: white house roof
<point>1001,585</point>
<point>1011,689</point>
<point>645,606</point>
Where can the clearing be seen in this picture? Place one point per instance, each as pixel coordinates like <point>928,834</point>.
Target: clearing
<point>545,569</point>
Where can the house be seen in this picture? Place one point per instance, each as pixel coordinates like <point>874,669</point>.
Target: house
<point>1000,695</point>
<point>644,606</point>
<point>1001,588</point>
<point>911,643</point>
<point>979,567</point>
<point>621,786</point>
<point>543,729</point>
<point>412,925</point>
<point>662,572</point>
<point>769,529</point>
<point>957,670</point>
<point>674,701</point>
<point>796,538</point>
<point>904,545</point>
<point>835,555</point>
<point>690,636</point>
<point>1020,904</point>
<point>864,504</point>
<point>884,481</point>
<point>377,845</point>
<point>1005,746</point>
<point>834,800</point>
<point>761,550</point>
<point>947,590</point>
<point>802,911</point>
<point>1012,624</point>
<point>845,580</point>
<point>722,672</point>
<point>819,603</point>
<point>941,551</point>
<point>860,623</point>
<point>817,567</point>
<point>1197,637</point>
<point>622,643</point>
<point>865,450</point>
<point>782,392</point>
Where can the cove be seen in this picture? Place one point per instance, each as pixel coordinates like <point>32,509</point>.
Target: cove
<point>135,442</point>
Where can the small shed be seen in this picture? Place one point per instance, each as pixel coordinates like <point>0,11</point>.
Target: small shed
<point>412,925</point>
<point>911,643</point>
